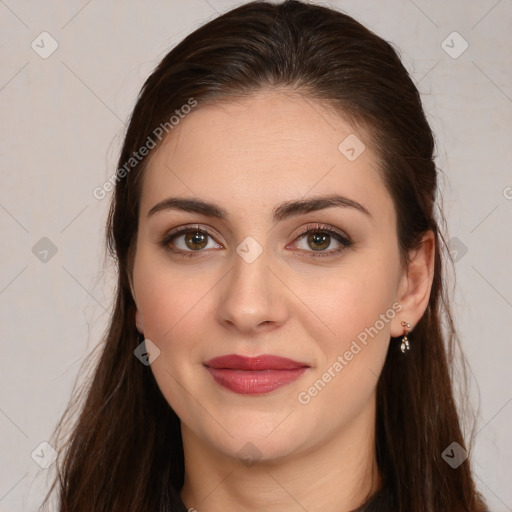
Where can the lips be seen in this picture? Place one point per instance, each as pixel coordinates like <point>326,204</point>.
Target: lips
<point>265,362</point>
<point>254,375</point>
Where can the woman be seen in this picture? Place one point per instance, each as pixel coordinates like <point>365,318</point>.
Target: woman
<point>276,342</point>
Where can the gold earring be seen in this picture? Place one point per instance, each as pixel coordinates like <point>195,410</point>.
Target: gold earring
<point>404,346</point>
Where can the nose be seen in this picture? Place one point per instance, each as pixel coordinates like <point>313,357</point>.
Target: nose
<point>252,299</point>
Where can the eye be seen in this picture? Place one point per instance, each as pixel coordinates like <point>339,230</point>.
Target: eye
<point>316,238</point>
<point>187,240</point>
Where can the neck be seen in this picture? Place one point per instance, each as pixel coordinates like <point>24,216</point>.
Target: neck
<point>337,475</point>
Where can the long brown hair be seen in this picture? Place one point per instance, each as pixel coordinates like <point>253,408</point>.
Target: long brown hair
<point>124,451</point>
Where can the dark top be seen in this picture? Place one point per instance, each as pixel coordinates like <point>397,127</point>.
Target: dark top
<point>381,501</point>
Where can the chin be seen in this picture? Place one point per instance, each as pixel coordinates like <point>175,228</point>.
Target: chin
<point>251,445</point>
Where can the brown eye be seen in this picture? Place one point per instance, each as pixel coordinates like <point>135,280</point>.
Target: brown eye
<point>196,240</point>
<point>319,241</point>
<point>189,240</point>
<point>322,241</point>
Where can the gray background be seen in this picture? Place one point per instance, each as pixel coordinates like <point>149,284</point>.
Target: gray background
<point>62,125</point>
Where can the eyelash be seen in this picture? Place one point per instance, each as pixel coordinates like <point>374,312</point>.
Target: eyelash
<point>310,228</point>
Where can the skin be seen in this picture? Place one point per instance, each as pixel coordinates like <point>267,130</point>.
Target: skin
<point>248,157</point>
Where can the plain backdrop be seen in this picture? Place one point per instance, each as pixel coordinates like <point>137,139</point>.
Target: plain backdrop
<point>63,121</point>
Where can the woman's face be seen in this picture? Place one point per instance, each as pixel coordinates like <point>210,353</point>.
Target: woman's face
<point>251,283</point>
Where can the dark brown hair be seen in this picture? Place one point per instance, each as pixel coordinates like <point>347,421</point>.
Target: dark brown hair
<point>124,451</point>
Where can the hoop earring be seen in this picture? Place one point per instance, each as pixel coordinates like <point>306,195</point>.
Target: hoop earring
<point>404,346</point>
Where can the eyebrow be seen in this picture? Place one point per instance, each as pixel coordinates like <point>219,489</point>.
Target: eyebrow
<point>279,213</point>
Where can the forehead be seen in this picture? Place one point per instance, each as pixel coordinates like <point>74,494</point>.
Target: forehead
<point>263,149</point>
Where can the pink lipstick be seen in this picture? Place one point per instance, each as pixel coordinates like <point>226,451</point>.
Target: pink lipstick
<point>254,375</point>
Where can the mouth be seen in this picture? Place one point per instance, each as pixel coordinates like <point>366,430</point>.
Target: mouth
<point>254,375</point>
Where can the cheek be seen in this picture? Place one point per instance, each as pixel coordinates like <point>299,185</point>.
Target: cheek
<point>358,310</point>
<point>352,300</point>
<point>172,306</point>
<point>175,322</point>
<point>167,296</point>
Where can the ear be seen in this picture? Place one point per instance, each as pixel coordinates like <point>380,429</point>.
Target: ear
<point>138,321</point>
<point>138,316</point>
<point>415,284</point>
